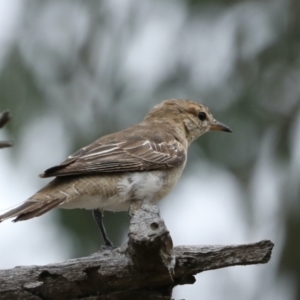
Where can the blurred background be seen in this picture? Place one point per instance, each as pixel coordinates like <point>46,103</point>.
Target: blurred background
<point>72,71</point>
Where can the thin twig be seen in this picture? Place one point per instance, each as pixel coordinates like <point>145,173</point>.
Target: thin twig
<point>4,119</point>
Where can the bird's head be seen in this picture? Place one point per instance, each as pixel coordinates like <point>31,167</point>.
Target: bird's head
<point>193,117</point>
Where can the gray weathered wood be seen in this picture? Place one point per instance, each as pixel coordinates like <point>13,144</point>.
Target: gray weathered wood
<point>147,267</point>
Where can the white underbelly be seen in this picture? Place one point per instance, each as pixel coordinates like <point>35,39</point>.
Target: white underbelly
<point>147,186</point>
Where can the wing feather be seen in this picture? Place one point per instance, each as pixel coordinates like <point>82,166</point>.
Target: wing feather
<point>136,153</point>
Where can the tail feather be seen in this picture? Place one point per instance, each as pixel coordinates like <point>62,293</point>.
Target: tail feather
<point>29,209</point>
<point>44,200</point>
<point>56,192</point>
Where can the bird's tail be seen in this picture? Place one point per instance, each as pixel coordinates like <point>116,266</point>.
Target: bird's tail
<point>56,192</point>
<point>29,209</point>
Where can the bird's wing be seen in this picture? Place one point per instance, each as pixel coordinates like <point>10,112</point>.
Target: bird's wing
<point>133,153</point>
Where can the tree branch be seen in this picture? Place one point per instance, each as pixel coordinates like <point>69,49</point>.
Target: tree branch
<point>4,118</point>
<point>147,267</point>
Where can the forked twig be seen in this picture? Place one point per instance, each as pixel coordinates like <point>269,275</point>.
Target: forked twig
<point>4,118</point>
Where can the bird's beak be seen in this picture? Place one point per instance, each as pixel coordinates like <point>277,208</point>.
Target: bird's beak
<point>215,125</point>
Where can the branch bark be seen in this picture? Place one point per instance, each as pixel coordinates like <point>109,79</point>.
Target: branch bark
<point>4,119</point>
<point>147,267</point>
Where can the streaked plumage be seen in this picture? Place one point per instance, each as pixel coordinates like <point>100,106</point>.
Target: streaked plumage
<point>143,162</point>
<point>133,149</point>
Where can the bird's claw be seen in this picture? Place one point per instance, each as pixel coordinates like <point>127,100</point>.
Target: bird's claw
<point>107,246</point>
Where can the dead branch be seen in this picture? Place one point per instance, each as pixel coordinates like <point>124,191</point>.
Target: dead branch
<point>147,267</point>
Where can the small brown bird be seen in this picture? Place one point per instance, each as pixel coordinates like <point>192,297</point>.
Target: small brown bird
<point>142,162</point>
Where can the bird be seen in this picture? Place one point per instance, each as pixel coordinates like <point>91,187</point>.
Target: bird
<point>142,162</point>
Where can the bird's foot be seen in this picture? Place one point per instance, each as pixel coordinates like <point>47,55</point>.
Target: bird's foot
<point>108,246</point>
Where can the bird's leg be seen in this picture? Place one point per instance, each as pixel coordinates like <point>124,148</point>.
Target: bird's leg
<point>98,216</point>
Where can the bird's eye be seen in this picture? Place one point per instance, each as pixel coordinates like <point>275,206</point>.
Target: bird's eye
<point>202,116</point>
